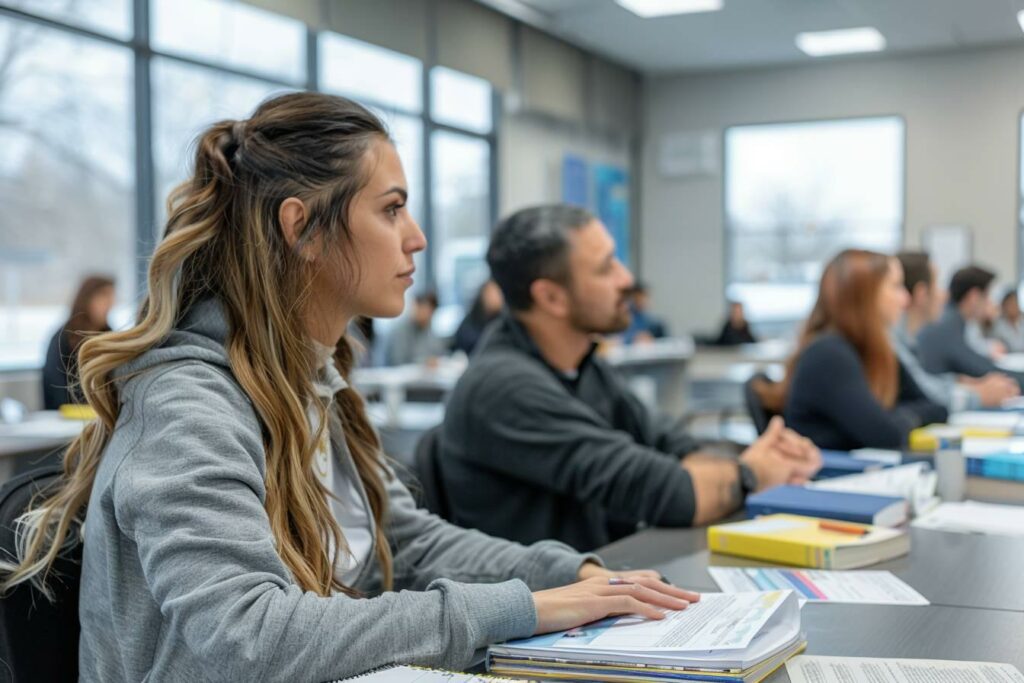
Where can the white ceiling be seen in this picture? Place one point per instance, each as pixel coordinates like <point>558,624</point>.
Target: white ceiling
<point>750,33</point>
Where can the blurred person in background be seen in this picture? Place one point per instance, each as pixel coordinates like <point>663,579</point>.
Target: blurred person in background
<point>736,329</point>
<point>486,308</point>
<point>413,339</point>
<point>644,327</point>
<point>89,311</point>
<point>1009,328</point>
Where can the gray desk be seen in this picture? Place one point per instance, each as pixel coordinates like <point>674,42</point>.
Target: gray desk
<point>912,633</point>
<point>973,582</point>
<point>953,570</point>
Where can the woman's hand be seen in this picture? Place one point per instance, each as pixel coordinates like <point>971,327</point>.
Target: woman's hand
<point>589,570</point>
<point>642,593</point>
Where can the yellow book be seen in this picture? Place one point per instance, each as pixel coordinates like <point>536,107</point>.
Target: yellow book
<point>808,542</point>
<point>926,439</point>
<point>72,411</point>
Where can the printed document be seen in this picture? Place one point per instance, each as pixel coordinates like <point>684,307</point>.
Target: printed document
<point>812,669</point>
<point>853,587</point>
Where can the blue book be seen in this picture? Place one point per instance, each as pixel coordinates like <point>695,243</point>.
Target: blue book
<point>840,463</point>
<point>886,511</point>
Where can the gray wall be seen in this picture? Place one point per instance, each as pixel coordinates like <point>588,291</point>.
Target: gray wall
<point>962,113</point>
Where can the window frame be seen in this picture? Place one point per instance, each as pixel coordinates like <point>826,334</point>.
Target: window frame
<point>727,228</point>
<point>147,232</point>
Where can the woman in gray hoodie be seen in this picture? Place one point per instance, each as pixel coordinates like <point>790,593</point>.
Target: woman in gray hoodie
<point>241,523</point>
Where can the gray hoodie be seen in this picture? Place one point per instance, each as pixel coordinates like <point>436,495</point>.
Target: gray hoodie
<point>181,580</point>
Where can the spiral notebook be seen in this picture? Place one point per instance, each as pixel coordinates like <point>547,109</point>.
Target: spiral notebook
<point>413,674</point>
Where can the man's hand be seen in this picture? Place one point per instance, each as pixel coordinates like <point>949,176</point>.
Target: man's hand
<point>994,388</point>
<point>781,456</point>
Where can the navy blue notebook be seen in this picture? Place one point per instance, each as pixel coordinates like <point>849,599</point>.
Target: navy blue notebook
<point>887,511</point>
<point>839,463</point>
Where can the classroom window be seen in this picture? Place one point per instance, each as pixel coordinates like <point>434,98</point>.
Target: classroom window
<point>460,100</point>
<point>186,100</point>
<point>113,17</point>
<point>798,193</point>
<point>462,215</point>
<point>73,204</point>
<point>370,73</point>
<point>67,183</point>
<point>232,34</point>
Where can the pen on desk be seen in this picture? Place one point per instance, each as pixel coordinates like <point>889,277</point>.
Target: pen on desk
<point>828,525</point>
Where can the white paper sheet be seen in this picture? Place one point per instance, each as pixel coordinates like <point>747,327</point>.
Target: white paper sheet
<point>718,622</point>
<point>813,669</point>
<point>853,587</point>
<point>973,517</point>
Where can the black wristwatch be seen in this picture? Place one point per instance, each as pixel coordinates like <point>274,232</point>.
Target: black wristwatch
<point>748,479</point>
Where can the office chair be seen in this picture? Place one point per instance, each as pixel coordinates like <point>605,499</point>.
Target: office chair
<point>759,413</point>
<point>427,459</point>
<point>38,638</point>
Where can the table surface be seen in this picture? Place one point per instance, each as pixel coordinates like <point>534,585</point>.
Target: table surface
<point>973,582</point>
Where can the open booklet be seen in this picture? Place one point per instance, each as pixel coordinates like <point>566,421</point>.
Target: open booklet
<point>736,637</point>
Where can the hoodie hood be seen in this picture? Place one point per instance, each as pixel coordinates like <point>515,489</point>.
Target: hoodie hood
<point>201,336</point>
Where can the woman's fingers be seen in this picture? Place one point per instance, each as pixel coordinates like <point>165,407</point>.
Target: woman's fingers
<point>648,595</point>
<point>661,587</point>
<point>627,604</point>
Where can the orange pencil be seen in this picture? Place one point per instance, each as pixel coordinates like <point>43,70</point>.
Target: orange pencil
<point>828,525</point>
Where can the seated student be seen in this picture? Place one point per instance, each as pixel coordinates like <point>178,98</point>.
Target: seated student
<point>1009,328</point>
<point>956,392</point>
<point>943,344</point>
<point>542,439</point>
<point>413,340</point>
<point>844,387</point>
<point>643,326</point>
<point>485,309</point>
<point>242,523</point>
<point>88,316</point>
<point>736,329</point>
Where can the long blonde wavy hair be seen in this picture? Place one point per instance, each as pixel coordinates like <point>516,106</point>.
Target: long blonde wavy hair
<point>223,240</point>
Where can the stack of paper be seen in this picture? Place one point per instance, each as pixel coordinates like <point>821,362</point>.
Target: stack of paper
<point>741,637</point>
<point>974,517</point>
<point>915,483</point>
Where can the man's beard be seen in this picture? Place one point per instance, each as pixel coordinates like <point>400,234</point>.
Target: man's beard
<point>583,319</point>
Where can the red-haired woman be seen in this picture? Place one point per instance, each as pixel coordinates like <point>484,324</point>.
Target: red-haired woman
<point>844,387</point>
<point>89,313</point>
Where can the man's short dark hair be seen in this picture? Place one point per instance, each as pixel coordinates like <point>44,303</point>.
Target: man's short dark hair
<point>916,269</point>
<point>530,245</point>
<point>967,279</point>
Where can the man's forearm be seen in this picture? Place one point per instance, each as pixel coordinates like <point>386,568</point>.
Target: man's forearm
<point>716,487</point>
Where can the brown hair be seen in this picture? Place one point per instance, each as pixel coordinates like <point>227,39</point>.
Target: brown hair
<point>847,304</point>
<point>223,240</point>
<point>79,325</point>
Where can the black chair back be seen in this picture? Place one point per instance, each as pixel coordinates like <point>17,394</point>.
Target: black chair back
<point>759,413</point>
<point>38,638</point>
<point>428,471</point>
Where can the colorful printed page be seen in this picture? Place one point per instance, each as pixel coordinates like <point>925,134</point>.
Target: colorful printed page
<point>852,587</point>
<point>812,669</point>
